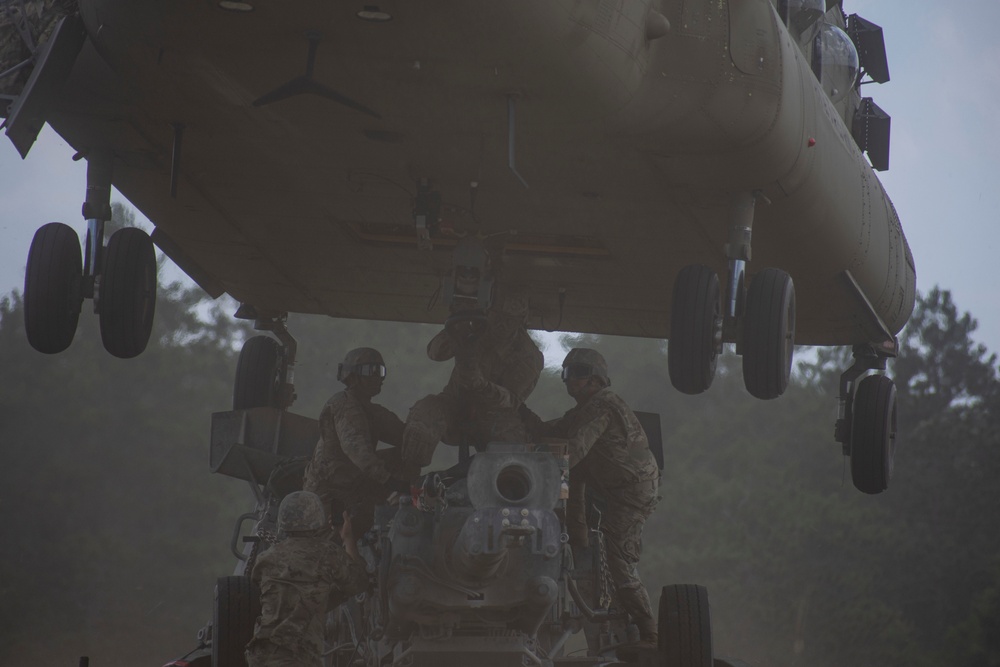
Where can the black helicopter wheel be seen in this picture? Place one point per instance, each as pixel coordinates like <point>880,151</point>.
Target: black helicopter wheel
<point>769,334</point>
<point>685,626</point>
<point>256,384</point>
<point>873,434</point>
<point>695,317</point>
<point>127,293</point>
<point>53,282</point>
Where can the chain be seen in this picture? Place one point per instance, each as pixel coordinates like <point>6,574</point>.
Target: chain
<point>604,575</point>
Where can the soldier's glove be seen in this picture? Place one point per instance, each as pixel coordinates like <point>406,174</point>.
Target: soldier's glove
<point>393,485</point>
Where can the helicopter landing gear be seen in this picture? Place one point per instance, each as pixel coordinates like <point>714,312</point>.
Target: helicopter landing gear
<point>119,277</point>
<point>768,334</point>
<point>53,288</point>
<point>127,293</point>
<point>761,320</point>
<point>695,329</point>
<point>867,424</point>
<point>265,370</point>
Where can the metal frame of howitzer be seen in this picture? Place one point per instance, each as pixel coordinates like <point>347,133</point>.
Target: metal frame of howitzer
<point>477,569</point>
<point>268,448</point>
<point>475,566</point>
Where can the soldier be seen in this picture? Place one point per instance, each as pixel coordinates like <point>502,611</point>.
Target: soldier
<point>608,451</point>
<point>494,372</point>
<point>300,579</point>
<point>346,472</point>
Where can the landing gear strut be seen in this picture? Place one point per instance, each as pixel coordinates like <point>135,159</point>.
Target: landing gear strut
<point>867,424</point>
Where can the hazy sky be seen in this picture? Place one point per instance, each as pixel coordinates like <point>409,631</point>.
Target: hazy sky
<point>944,61</point>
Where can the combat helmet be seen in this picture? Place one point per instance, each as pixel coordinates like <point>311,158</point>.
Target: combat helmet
<point>363,361</point>
<point>300,512</point>
<point>585,362</point>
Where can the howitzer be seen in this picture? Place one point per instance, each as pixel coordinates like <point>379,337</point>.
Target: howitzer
<point>487,553</point>
<point>472,568</point>
<point>475,568</point>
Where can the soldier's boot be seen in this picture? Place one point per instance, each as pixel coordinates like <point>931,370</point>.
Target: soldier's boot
<point>635,601</point>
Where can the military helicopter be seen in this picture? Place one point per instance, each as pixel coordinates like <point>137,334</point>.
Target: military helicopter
<point>689,171</point>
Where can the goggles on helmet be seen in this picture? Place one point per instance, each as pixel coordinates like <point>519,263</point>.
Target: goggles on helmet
<point>576,370</point>
<point>363,370</point>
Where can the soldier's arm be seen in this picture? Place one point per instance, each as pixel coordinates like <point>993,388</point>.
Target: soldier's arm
<point>356,440</point>
<point>593,422</point>
<point>554,428</point>
<point>257,573</point>
<point>388,427</point>
<point>347,575</point>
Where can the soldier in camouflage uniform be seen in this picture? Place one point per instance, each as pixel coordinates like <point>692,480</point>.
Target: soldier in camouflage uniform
<point>346,472</point>
<point>301,578</point>
<point>609,452</point>
<point>494,372</point>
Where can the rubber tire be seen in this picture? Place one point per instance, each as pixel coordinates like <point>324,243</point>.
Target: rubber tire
<point>684,624</point>
<point>127,293</point>
<point>873,434</point>
<point>53,288</point>
<point>691,351</point>
<point>256,384</point>
<point>769,334</point>
<point>237,606</point>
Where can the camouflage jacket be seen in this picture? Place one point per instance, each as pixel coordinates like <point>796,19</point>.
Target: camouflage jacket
<point>300,579</point>
<point>607,446</point>
<point>496,375</point>
<point>350,429</point>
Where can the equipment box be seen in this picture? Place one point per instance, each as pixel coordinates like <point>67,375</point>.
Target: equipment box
<point>248,444</point>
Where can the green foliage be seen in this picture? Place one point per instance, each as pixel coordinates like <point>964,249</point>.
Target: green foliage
<point>975,642</point>
<point>939,364</point>
<point>116,531</point>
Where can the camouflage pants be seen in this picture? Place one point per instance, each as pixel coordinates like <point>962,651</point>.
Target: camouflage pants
<point>356,495</point>
<point>446,418</point>
<point>622,524</point>
<point>266,654</point>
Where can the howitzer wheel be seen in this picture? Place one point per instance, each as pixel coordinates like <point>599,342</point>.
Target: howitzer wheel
<point>237,606</point>
<point>685,626</point>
